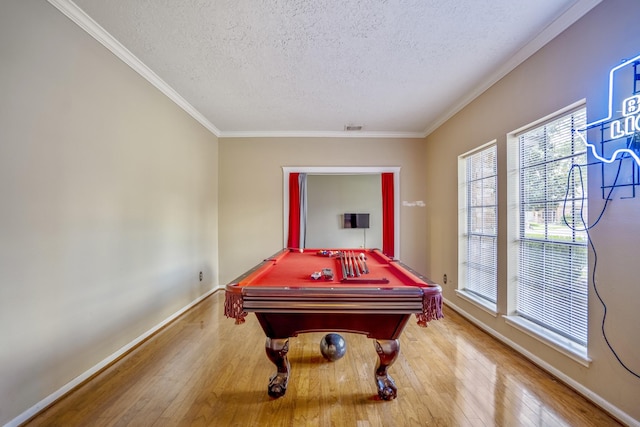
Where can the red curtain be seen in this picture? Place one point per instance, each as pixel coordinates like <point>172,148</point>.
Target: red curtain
<point>293,240</point>
<point>387,214</point>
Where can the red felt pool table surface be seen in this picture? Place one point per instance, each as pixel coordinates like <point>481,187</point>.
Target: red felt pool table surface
<point>293,269</point>
<point>282,283</point>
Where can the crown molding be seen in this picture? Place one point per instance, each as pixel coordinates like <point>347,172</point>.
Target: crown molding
<point>84,21</point>
<point>551,31</point>
<point>321,134</point>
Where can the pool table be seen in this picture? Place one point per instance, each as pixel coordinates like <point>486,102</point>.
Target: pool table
<point>342,290</point>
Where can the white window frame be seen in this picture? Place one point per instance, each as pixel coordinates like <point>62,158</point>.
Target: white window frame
<point>464,234</point>
<point>564,345</point>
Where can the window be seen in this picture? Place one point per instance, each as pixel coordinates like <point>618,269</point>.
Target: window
<point>548,266</point>
<point>478,225</point>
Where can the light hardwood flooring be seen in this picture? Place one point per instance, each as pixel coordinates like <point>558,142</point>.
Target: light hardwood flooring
<point>203,370</point>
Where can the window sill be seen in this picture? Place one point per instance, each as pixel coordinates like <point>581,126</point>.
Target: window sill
<point>481,303</point>
<point>569,348</point>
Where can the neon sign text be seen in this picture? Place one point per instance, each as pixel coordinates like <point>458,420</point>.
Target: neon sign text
<point>630,124</point>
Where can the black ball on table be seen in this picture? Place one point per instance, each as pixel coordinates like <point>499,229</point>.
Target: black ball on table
<point>333,347</point>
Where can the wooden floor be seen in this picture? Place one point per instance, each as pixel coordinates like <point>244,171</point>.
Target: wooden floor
<point>205,370</point>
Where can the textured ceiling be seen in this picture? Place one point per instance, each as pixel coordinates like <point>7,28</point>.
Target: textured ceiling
<point>307,67</point>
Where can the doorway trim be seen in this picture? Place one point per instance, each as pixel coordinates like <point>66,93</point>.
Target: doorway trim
<point>343,170</point>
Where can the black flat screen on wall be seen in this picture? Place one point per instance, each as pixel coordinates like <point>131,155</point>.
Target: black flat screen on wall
<point>356,220</point>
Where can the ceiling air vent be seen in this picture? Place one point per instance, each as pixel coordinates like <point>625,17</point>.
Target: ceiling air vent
<point>352,127</point>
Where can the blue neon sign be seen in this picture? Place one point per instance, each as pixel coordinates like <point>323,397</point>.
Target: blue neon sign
<point>623,122</point>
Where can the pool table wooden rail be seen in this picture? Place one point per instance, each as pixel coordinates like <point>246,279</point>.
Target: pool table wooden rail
<point>333,300</point>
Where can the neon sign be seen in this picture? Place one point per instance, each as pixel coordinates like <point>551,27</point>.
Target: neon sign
<point>631,123</point>
<point>626,121</point>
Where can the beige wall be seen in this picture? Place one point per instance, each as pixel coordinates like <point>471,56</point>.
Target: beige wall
<point>572,67</point>
<point>251,209</point>
<point>108,205</point>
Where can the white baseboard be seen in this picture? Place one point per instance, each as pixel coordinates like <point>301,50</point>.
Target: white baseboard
<point>587,393</point>
<point>35,409</point>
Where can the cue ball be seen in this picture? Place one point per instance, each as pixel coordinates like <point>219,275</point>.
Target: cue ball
<point>333,347</point>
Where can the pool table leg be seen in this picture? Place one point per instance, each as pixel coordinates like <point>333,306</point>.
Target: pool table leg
<point>388,351</point>
<point>277,349</point>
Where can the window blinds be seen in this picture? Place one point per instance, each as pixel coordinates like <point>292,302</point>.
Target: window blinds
<point>553,269</point>
<point>482,223</point>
